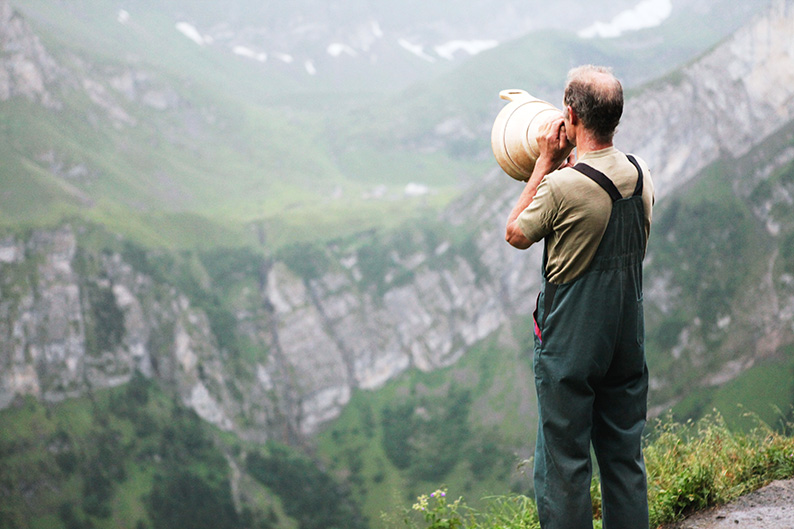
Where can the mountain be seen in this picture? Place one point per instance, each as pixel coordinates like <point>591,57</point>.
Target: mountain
<point>147,242</point>
<point>719,263</point>
<point>355,45</point>
<point>118,114</point>
<point>361,46</point>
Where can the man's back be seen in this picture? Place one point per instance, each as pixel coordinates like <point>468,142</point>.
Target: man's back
<point>571,211</point>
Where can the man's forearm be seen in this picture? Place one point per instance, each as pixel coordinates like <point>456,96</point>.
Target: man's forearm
<point>514,236</point>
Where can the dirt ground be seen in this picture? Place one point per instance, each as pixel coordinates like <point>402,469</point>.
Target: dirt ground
<point>771,507</point>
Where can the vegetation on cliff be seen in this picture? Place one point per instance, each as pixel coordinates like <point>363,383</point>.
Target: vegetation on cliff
<point>690,466</point>
<point>134,457</point>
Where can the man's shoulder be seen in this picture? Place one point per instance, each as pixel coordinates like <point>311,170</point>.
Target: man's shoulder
<point>566,178</point>
<point>573,189</point>
<point>640,160</point>
<point>565,175</point>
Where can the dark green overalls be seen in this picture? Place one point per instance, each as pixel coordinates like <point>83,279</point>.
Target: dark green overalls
<point>592,379</point>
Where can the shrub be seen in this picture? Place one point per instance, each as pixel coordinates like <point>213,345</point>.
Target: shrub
<point>690,466</point>
<point>181,498</point>
<point>427,436</point>
<point>307,260</point>
<point>698,464</point>
<point>308,494</point>
<point>108,320</point>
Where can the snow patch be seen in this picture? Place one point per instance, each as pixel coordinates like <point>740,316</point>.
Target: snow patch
<point>646,14</point>
<point>416,190</point>
<point>416,49</point>
<point>472,47</point>
<point>310,69</point>
<point>336,49</point>
<point>284,57</point>
<point>242,51</point>
<point>191,32</point>
<point>123,16</point>
<point>376,30</point>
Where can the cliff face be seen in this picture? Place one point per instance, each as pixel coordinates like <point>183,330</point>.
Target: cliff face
<point>26,68</point>
<point>73,322</point>
<point>723,105</point>
<point>733,107</point>
<point>73,319</point>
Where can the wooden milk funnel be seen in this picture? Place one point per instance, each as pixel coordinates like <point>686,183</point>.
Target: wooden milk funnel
<point>514,133</point>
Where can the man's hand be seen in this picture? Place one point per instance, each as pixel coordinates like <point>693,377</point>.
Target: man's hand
<point>553,145</point>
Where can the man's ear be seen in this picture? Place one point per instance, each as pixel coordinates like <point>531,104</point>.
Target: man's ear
<point>572,117</point>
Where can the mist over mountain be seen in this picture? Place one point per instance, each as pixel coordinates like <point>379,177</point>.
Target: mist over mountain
<point>284,224</point>
<point>362,47</point>
<point>381,45</point>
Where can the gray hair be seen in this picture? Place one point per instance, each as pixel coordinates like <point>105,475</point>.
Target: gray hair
<point>596,96</point>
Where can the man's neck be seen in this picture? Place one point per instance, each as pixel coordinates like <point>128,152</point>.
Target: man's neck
<point>589,144</point>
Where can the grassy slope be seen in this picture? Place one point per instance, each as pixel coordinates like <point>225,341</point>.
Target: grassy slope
<point>716,252</point>
<point>501,419</point>
<point>765,392</point>
<point>133,457</point>
<point>690,467</point>
<point>225,157</point>
<point>249,144</point>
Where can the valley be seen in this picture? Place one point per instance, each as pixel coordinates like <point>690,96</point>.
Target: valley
<point>214,271</point>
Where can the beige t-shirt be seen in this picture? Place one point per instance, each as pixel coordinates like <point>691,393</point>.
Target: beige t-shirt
<point>572,212</point>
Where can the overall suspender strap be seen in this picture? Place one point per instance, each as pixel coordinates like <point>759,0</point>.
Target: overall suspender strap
<point>638,189</point>
<point>606,184</point>
<point>601,179</point>
<point>550,289</point>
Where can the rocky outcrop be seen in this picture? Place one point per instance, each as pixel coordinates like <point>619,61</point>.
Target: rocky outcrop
<point>73,321</point>
<point>337,336</point>
<point>735,100</point>
<point>26,68</point>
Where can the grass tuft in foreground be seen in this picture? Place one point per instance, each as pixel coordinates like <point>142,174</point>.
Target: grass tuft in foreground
<point>690,466</point>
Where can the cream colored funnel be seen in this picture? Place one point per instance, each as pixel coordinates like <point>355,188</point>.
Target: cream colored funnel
<point>514,133</point>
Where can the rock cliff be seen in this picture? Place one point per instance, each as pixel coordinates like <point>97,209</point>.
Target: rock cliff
<point>721,106</point>
<point>75,320</point>
<point>26,68</point>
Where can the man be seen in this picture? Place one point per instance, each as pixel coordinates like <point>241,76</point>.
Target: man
<point>589,358</point>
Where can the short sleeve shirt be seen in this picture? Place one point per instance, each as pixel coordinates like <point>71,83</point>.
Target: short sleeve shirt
<point>571,211</point>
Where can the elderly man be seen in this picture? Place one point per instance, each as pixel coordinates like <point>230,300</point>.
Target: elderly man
<point>589,358</point>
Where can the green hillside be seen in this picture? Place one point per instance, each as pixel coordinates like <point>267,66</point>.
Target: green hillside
<point>539,63</point>
<point>470,425</point>
<point>176,144</point>
<point>198,169</point>
<point>133,457</point>
<point>231,147</point>
<point>718,244</point>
